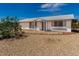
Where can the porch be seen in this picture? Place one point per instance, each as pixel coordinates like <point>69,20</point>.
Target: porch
<point>57,25</point>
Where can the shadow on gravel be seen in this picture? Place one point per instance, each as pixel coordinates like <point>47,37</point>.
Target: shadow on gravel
<point>76,31</point>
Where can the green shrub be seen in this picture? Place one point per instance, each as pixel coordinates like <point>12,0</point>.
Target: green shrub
<point>75,24</point>
<point>9,27</point>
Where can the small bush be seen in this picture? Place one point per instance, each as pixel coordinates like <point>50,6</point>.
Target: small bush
<point>75,24</point>
<point>9,27</point>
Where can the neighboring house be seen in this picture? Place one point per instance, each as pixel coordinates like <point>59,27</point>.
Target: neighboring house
<point>51,23</point>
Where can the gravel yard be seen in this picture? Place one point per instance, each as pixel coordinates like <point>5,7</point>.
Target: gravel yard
<point>41,45</point>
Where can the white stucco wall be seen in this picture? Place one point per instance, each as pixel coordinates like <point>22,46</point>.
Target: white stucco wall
<point>65,28</point>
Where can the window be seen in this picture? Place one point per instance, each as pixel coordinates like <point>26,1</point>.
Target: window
<point>58,23</point>
<point>31,25</point>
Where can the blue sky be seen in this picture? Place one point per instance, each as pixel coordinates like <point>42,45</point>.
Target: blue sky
<point>31,10</point>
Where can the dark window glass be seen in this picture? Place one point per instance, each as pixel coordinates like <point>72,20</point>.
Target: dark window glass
<point>58,23</point>
<point>31,25</point>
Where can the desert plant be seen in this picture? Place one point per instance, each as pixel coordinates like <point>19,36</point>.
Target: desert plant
<point>9,27</point>
<point>75,24</point>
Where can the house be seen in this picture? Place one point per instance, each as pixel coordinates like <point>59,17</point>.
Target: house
<point>51,23</point>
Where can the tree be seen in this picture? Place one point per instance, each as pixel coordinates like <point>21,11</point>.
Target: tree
<point>9,27</point>
<point>75,24</point>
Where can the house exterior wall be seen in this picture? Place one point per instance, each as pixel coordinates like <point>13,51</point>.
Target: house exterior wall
<point>49,25</point>
<point>65,28</point>
<point>24,25</point>
<point>68,25</point>
<point>39,25</point>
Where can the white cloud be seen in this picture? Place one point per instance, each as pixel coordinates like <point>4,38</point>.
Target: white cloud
<point>52,6</point>
<point>46,5</point>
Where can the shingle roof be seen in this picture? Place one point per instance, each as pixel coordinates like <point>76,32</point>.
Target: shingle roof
<point>60,17</point>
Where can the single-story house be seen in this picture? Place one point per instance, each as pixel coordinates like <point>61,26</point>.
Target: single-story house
<point>51,23</point>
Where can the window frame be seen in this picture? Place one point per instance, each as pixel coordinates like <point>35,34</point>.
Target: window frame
<point>58,23</point>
